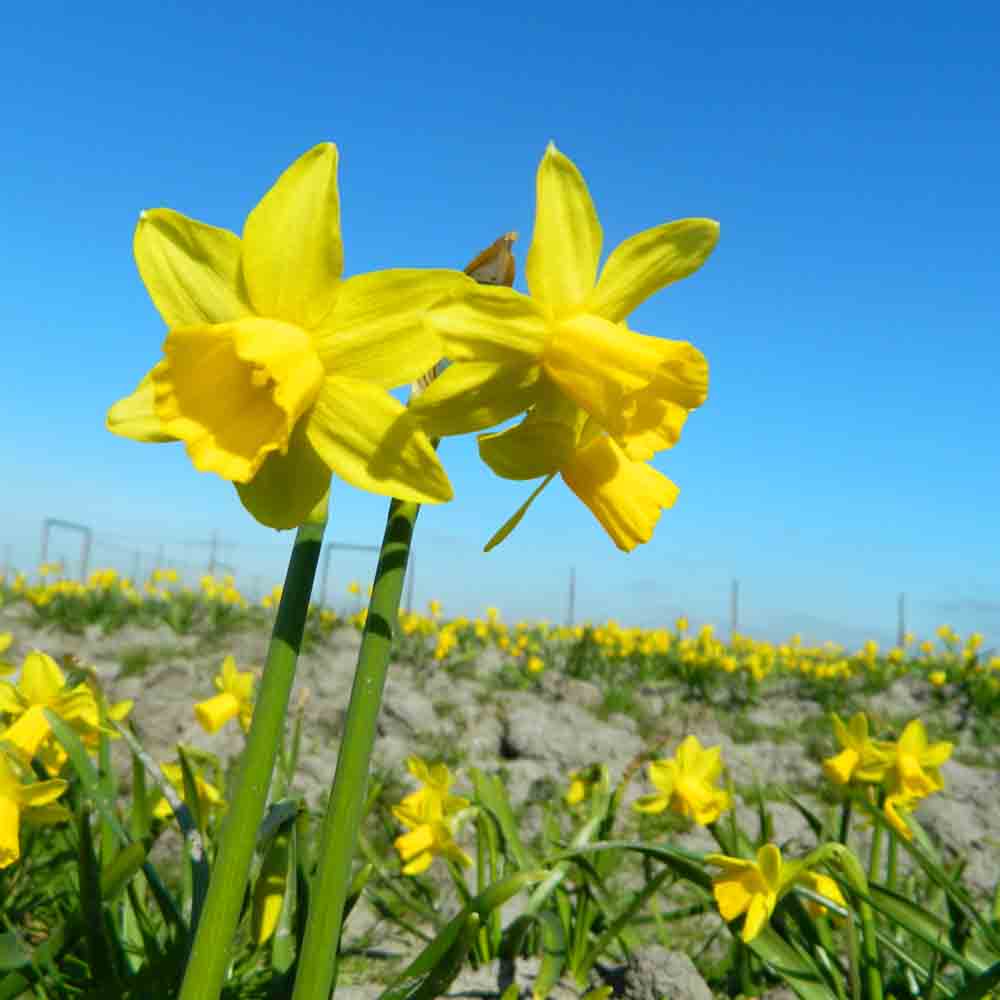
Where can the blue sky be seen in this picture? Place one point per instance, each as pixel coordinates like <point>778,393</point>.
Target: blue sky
<point>850,313</point>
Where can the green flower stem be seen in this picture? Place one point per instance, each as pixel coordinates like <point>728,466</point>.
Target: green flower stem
<point>211,952</point>
<point>318,962</point>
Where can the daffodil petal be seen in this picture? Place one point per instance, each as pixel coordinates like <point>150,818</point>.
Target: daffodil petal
<point>41,679</point>
<point>661,421</point>
<point>10,830</point>
<point>190,269</point>
<point>758,913</point>
<point>731,896</point>
<point>515,519</point>
<point>649,261</point>
<point>769,860</point>
<point>135,416</point>
<point>621,378</point>
<point>663,774</point>
<point>213,713</point>
<point>472,395</point>
<point>490,323</point>
<point>376,330</point>
<point>566,243</point>
<point>286,487</point>
<point>533,448</point>
<point>28,731</point>
<point>292,251</point>
<point>652,804</point>
<point>626,497</point>
<point>233,392</point>
<point>368,438</point>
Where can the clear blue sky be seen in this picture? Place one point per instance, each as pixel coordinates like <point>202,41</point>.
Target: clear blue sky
<point>848,450</point>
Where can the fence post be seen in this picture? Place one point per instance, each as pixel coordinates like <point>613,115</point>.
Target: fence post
<point>734,609</point>
<point>571,603</point>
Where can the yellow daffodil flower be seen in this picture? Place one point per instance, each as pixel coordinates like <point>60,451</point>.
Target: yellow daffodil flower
<point>235,699</point>
<point>751,887</point>
<point>209,797</point>
<point>275,370</point>
<point>43,685</point>
<point>859,760</point>
<point>686,784</point>
<point>30,801</point>
<point>564,354</point>
<point>823,886</point>
<point>911,772</point>
<point>431,815</point>
<point>583,783</point>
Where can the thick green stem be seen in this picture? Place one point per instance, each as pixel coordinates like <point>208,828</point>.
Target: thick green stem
<point>211,952</point>
<point>318,963</point>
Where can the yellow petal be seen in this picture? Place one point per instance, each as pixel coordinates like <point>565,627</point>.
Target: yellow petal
<point>758,912</point>
<point>414,842</point>
<point>135,417</point>
<point>840,767</point>
<point>41,679</point>
<point>368,438</point>
<point>731,896</point>
<point>191,270</point>
<point>376,331</point>
<point>286,487</point>
<point>663,774</point>
<point>472,395</point>
<point>234,391</point>
<point>622,378</point>
<point>626,497</point>
<point>535,447</point>
<point>292,252</point>
<point>649,261</point>
<point>566,242</point>
<point>215,712</point>
<point>490,323</point>
<point>515,519</point>
<point>663,421</point>
<point>28,731</point>
<point>10,829</point>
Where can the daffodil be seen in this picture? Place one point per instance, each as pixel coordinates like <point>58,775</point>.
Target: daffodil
<point>235,699</point>
<point>913,768</point>
<point>32,801</point>
<point>42,685</point>
<point>5,642</point>
<point>859,759</point>
<point>685,784</point>
<point>823,886</point>
<point>751,887</point>
<point>565,351</point>
<point>431,815</point>
<point>209,797</point>
<point>276,371</point>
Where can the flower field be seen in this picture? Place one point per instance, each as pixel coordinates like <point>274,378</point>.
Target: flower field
<point>568,811</point>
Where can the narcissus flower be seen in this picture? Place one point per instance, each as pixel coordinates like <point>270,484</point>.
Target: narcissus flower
<point>686,784</point>
<point>432,815</point>
<point>19,800</point>
<point>911,772</point>
<point>751,887</point>
<point>565,350</point>
<point>209,797</point>
<point>275,370</point>
<point>235,699</point>
<point>859,760</point>
<point>43,685</point>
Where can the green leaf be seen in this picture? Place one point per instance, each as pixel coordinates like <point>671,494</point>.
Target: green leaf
<point>13,954</point>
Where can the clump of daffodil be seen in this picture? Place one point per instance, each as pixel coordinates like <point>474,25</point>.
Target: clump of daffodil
<point>752,887</point>
<point>600,399</point>
<point>275,370</point>
<point>685,784</point>
<point>33,801</point>
<point>42,685</point>
<point>431,815</point>
<point>209,797</point>
<point>234,700</point>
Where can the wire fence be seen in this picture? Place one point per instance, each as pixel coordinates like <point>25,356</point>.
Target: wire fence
<point>78,549</point>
